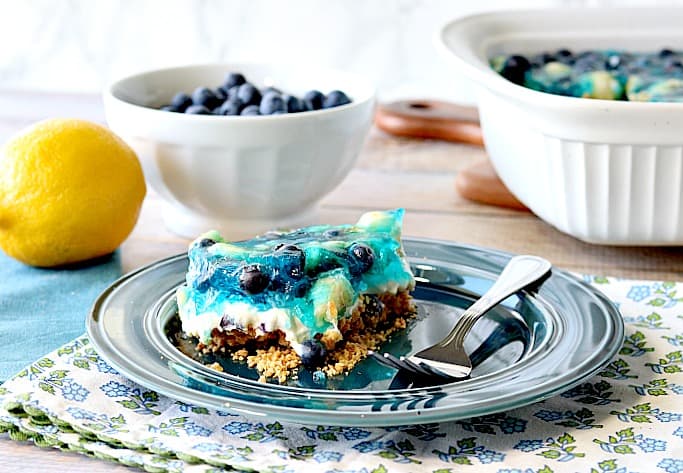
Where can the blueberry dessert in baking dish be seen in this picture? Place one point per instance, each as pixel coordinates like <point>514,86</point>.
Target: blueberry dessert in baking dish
<point>319,296</point>
<point>599,74</point>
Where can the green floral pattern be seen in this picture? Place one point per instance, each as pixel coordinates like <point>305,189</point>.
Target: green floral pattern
<point>628,418</point>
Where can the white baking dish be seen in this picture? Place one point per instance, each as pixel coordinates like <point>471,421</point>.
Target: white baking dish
<point>603,171</point>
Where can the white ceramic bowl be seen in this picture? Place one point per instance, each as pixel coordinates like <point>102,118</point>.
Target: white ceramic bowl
<point>240,175</point>
<point>603,171</point>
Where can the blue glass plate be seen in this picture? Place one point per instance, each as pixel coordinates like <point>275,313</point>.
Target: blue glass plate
<point>562,335</point>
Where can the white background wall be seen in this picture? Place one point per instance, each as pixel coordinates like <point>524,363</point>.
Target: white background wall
<point>80,45</point>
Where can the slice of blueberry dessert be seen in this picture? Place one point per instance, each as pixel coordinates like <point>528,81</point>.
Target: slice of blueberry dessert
<point>319,296</point>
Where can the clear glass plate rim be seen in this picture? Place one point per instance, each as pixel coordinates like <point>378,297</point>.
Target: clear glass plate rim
<point>541,391</point>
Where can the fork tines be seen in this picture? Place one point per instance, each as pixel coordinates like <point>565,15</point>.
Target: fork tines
<point>418,374</point>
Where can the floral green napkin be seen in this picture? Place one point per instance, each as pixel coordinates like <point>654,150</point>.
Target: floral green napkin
<point>629,418</point>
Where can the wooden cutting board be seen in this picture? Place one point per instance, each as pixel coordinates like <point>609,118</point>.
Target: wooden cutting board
<point>446,121</point>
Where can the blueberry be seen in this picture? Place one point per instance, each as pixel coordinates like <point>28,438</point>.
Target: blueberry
<point>249,94</point>
<point>312,353</point>
<point>515,68</point>
<point>181,101</point>
<point>336,98</point>
<point>231,107</point>
<point>198,110</point>
<point>253,280</point>
<point>362,258</point>
<point>313,100</point>
<point>250,110</point>
<point>293,104</point>
<point>206,97</point>
<point>284,247</point>
<point>293,260</point>
<point>233,79</point>
<point>168,108</point>
<point>666,52</point>
<point>565,56</point>
<point>271,103</point>
<point>205,242</point>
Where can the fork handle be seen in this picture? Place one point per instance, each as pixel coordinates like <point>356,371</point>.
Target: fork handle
<point>520,273</point>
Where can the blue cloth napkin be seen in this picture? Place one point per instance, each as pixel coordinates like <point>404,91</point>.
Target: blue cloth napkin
<point>41,309</point>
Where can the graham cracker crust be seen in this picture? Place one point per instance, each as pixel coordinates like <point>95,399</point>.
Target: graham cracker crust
<point>373,320</point>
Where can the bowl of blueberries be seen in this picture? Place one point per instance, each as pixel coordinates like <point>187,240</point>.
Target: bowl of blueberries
<point>581,112</point>
<point>241,148</point>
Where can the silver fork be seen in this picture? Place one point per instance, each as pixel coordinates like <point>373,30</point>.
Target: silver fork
<point>447,359</point>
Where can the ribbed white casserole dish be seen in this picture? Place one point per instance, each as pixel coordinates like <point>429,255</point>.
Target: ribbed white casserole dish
<point>603,171</point>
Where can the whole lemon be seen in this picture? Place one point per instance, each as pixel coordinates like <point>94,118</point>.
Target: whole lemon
<point>70,190</point>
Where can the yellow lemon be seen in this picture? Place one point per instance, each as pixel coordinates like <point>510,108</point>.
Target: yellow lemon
<point>70,190</point>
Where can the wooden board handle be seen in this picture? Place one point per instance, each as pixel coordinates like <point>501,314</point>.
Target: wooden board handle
<point>430,119</point>
<point>480,182</point>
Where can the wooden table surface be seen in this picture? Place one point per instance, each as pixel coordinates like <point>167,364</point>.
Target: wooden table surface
<point>391,172</point>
